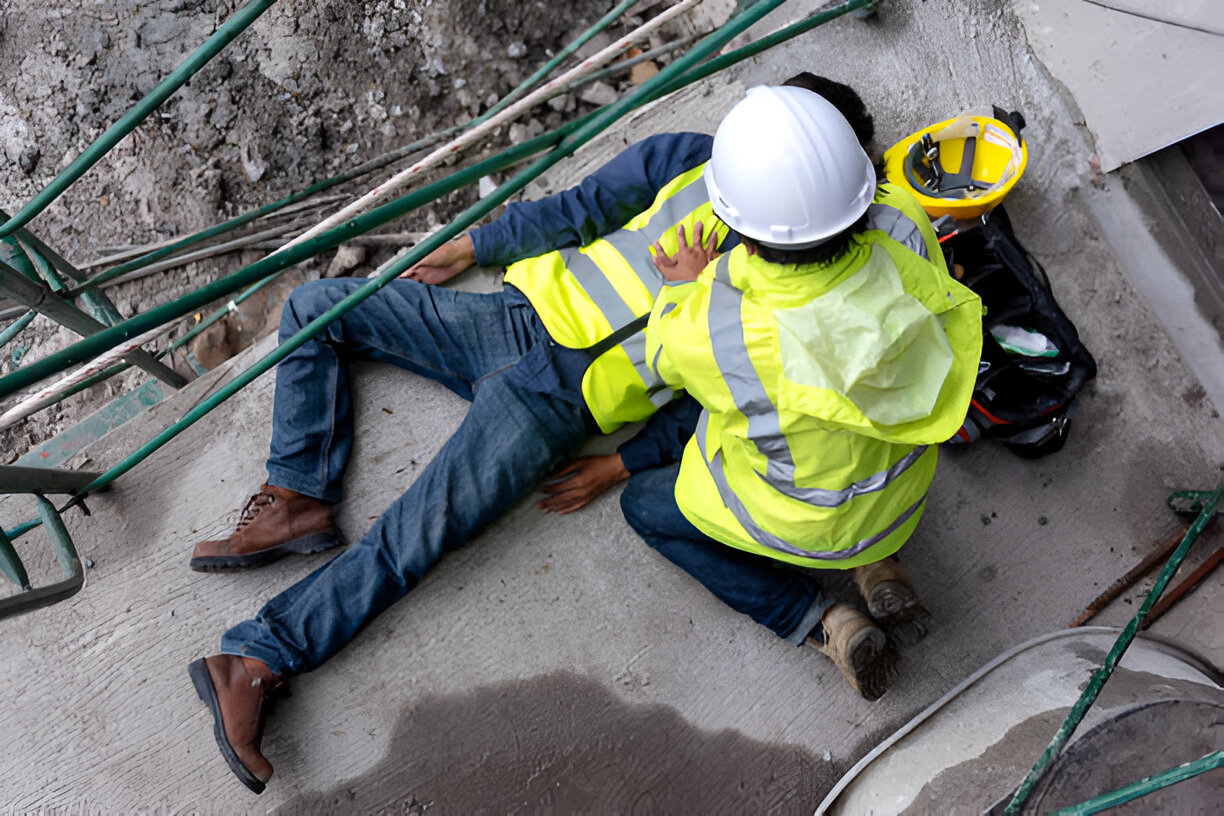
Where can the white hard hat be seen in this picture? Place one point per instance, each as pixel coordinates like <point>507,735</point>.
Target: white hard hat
<point>787,170</point>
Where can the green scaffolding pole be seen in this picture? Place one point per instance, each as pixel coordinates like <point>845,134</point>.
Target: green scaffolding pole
<point>96,344</point>
<point>393,269</point>
<point>544,70</point>
<point>16,327</point>
<point>1144,786</point>
<point>1208,503</point>
<point>139,112</point>
<point>361,170</point>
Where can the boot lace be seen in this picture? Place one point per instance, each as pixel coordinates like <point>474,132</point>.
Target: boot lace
<point>255,504</point>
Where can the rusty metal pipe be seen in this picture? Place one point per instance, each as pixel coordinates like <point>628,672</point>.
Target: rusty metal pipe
<point>1162,552</point>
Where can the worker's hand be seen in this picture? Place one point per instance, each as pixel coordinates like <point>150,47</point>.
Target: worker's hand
<point>581,481</point>
<point>444,263</point>
<point>688,261</point>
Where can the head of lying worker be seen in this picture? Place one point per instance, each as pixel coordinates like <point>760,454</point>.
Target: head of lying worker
<point>789,174</point>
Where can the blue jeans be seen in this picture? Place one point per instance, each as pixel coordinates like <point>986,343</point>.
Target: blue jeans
<point>788,603</point>
<point>524,421</point>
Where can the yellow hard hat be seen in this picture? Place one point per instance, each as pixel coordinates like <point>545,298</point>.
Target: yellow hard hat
<point>961,167</point>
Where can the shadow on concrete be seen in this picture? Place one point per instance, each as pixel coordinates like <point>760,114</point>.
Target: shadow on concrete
<point>563,743</point>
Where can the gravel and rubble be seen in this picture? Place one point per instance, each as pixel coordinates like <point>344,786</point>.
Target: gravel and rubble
<point>310,90</point>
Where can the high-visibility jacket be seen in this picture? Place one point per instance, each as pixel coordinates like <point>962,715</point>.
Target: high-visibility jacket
<point>825,388</point>
<point>585,294</point>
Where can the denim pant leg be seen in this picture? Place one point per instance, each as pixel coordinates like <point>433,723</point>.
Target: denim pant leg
<point>786,602</point>
<point>452,337</point>
<point>511,439</point>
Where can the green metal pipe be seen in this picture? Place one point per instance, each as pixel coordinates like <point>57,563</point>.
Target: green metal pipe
<point>16,327</point>
<point>108,338</point>
<point>483,207</point>
<point>582,40</point>
<point>138,113</point>
<point>56,260</point>
<point>46,272</point>
<point>1120,646</point>
<point>1144,786</point>
<point>96,304</point>
<point>96,344</point>
<point>219,314</point>
<point>361,170</point>
<point>780,36</point>
<point>40,298</point>
<point>22,529</point>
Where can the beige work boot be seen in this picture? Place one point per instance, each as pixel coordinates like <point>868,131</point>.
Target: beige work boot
<point>858,647</point>
<point>892,600</point>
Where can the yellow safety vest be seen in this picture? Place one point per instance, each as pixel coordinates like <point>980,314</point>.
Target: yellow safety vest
<point>825,389</point>
<point>584,294</point>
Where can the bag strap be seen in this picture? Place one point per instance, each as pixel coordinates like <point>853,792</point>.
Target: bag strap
<point>617,337</point>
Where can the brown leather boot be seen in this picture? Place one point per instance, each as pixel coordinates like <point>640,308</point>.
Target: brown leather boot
<point>274,523</point>
<point>892,600</point>
<point>857,646</point>
<point>236,691</point>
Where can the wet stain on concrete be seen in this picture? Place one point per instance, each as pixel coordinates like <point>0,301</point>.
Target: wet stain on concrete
<point>1149,724</point>
<point>976,784</point>
<point>562,744</point>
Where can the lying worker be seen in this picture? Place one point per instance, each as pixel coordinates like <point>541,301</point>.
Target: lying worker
<point>830,351</point>
<point>517,355</point>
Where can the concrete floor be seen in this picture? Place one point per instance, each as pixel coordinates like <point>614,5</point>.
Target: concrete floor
<point>558,664</point>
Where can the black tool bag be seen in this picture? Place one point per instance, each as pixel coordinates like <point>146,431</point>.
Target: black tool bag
<point>1033,363</point>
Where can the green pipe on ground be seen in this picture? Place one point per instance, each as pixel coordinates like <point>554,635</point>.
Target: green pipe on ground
<point>356,172</point>
<point>1120,646</point>
<point>1144,786</point>
<point>96,304</point>
<point>582,40</point>
<point>46,272</point>
<point>138,113</point>
<point>86,349</point>
<point>16,327</point>
<point>581,136</point>
<point>22,529</point>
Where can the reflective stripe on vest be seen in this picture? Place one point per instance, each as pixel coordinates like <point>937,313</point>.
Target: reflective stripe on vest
<point>768,539</point>
<point>633,246</point>
<point>764,429</point>
<point>898,226</point>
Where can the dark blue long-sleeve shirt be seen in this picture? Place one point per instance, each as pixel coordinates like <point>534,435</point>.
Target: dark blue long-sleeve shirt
<point>601,204</point>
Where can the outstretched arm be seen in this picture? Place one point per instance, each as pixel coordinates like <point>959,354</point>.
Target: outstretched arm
<point>660,442</point>
<point>602,203</point>
<point>443,263</point>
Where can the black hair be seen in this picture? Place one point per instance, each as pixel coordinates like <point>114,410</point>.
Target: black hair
<point>842,97</point>
<point>850,105</point>
<point>838,245</point>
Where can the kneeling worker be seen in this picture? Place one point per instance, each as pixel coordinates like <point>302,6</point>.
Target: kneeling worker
<point>830,352</point>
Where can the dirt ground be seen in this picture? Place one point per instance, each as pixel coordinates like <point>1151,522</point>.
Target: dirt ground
<point>310,90</point>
